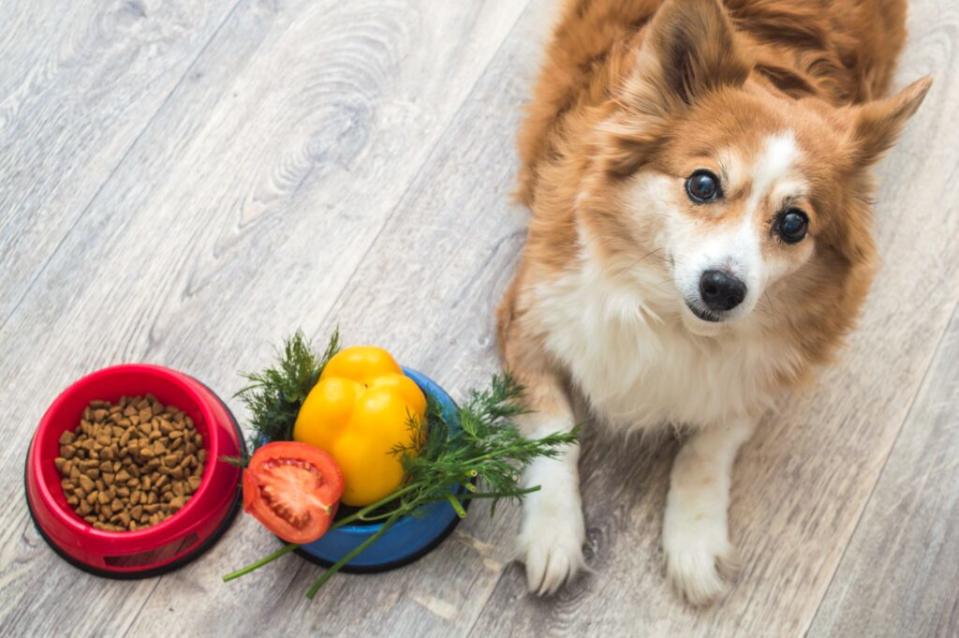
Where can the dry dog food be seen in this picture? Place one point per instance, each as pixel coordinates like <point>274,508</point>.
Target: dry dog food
<point>130,464</point>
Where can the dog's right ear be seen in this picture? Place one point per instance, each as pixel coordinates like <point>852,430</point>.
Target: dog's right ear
<point>689,50</point>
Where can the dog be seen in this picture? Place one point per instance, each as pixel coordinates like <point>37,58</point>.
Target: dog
<point>700,242</point>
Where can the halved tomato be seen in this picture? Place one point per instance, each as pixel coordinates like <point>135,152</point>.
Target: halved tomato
<point>293,489</point>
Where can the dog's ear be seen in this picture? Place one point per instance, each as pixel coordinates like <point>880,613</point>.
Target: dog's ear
<point>689,50</point>
<point>876,125</point>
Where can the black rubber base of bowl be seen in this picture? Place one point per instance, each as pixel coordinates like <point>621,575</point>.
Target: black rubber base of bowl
<point>385,567</point>
<point>200,549</point>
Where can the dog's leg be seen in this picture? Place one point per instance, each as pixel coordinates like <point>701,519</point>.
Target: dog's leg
<point>552,533</point>
<point>695,532</point>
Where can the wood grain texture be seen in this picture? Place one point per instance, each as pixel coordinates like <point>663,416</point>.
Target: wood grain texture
<point>318,162</point>
<point>410,286</point>
<point>900,571</point>
<point>239,214</point>
<point>79,82</point>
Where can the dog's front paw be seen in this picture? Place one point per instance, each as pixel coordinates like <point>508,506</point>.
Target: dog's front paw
<point>551,544</point>
<point>700,565</point>
<point>552,534</point>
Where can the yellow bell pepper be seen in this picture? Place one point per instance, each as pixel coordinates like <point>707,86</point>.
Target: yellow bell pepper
<point>358,412</point>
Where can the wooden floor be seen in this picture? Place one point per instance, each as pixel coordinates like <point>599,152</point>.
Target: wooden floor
<point>186,182</point>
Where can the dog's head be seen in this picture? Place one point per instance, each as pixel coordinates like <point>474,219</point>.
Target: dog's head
<point>752,202</point>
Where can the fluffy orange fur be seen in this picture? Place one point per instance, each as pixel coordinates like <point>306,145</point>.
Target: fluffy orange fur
<point>779,102</point>
<point>595,119</point>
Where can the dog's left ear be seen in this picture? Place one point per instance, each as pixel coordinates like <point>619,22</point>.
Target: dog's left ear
<point>877,124</point>
<point>690,50</point>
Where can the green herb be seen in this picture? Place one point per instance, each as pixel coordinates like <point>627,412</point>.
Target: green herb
<point>485,455</point>
<point>275,395</point>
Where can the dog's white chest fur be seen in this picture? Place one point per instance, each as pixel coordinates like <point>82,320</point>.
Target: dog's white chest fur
<point>639,368</point>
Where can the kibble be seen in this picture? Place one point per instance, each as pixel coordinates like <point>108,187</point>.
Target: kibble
<point>131,464</point>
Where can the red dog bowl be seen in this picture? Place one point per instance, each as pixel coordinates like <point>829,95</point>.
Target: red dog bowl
<point>170,543</point>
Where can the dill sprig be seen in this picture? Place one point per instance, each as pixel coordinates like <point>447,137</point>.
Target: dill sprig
<point>483,458</point>
<point>275,395</point>
<point>487,448</point>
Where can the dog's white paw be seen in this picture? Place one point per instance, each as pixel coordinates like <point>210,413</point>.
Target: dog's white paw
<point>699,564</point>
<point>551,538</point>
<point>552,548</point>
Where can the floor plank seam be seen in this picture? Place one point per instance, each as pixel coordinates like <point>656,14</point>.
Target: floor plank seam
<point>146,599</point>
<point>136,140</point>
<point>865,503</point>
<point>479,614</point>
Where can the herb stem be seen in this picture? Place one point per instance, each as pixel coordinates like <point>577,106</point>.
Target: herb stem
<point>283,551</point>
<point>456,505</point>
<point>362,515</point>
<point>517,493</point>
<point>356,551</point>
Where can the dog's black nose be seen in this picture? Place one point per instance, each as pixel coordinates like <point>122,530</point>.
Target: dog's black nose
<point>720,290</point>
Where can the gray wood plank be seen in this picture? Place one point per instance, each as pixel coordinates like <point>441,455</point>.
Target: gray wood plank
<point>900,572</point>
<point>78,83</point>
<point>263,197</point>
<point>801,484</point>
<point>419,312</point>
<point>236,217</point>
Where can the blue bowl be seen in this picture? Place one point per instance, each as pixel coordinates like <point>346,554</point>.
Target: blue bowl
<point>410,537</point>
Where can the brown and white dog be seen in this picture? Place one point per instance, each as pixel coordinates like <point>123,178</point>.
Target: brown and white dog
<point>699,179</point>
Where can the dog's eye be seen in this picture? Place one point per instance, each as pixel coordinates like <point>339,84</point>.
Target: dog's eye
<point>703,186</point>
<point>792,226</point>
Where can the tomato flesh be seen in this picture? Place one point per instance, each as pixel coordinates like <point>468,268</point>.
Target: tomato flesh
<point>293,489</point>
